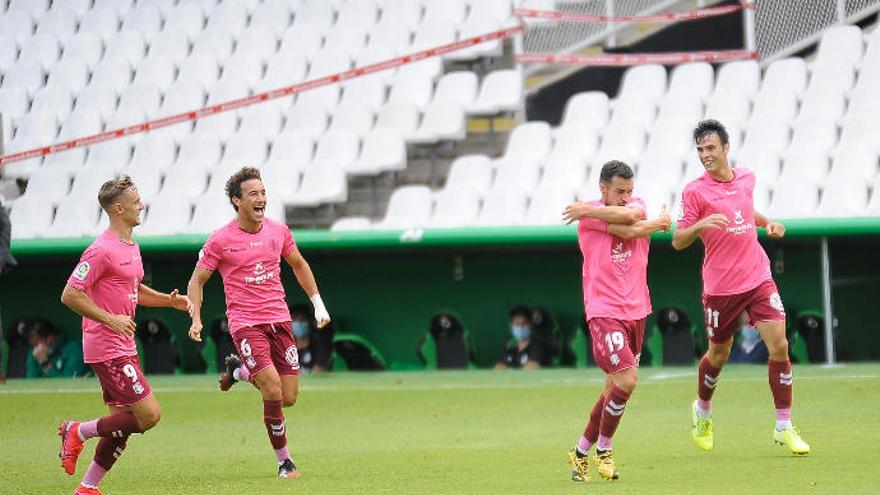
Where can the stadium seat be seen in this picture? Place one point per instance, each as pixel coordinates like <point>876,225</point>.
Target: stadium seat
<point>564,171</point>
<point>201,69</point>
<point>125,117</point>
<point>199,150</point>
<point>409,207</point>
<point>355,117</point>
<point>780,105</point>
<point>71,73</point>
<point>795,198</point>
<point>414,88</point>
<point>694,79</point>
<point>274,14</point>
<point>442,120</point>
<point>391,32</point>
<point>680,106</point>
<point>547,204</point>
<point>808,161</point>
<point>34,129</point>
<point>263,119</point>
<point>671,137</point>
<point>360,14</point>
<point>832,74</point>
<point>89,179</point>
<point>841,43</point>
<point>291,149</point>
<point>121,7</point>
<point>431,34</point>
<point>183,184</point>
<point>788,74</point>
<point>47,185</point>
<point>26,75</point>
<point>470,172</point>
<point>170,43</point>
<point>215,44</point>
<point>375,53</point>
<point>128,45</point>
<point>148,180</point>
<point>14,102</point>
<point>368,91</point>
<point>317,13</point>
<point>340,148</point>
<point>143,97</point>
<point>36,8</point>
<point>167,215</point>
<point>211,211</point>
<point>843,197</point>
<point>228,17</point>
<point>639,114</point>
<point>517,174</point>
<point>729,107</point>
<point>458,86</point>
<point>302,39</point>
<point>642,83</point>
<point>578,140</point>
<point>873,208</point>
<point>664,170</point>
<point>766,137</point>
<point>17,24</point>
<point>283,69</point>
<point>402,116</point>
<point>814,134</point>
<point>826,104</point>
<point>344,224</point>
<point>455,208</point>
<point>73,218</point>
<point>185,17</point>
<point>281,184</point>
<point>59,22</point>
<point>351,38</point>
<point>590,108</point>
<point>97,98</point>
<point>258,41</point>
<point>78,8</point>
<point>383,150</point>
<point>8,52</point>
<point>501,91</point>
<point>156,69</point>
<point>112,73</point>
<point>246,66</point>
<point>156,150</point>
<point>321,183</point>
<point>85,46</point>
<point>43,48</point>
<point>401,12</point>
<point>858,162</point>
<point>529,141</point>
<point>30,216</point>
<point>53,100</point>
<point>245,148</point>
<point>765,165</point>
<point>743,77</point>
<point>103,23</point>
<point>620,143</point>
<point>307,118</point>
<point>223,124</point>
<point>502,207</point>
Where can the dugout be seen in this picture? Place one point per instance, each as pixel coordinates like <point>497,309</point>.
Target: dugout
<point>388,284</point>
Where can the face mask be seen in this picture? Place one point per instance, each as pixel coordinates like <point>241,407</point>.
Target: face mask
<point>520,332</point>
<point>749,333</point>
<point>300,328</point>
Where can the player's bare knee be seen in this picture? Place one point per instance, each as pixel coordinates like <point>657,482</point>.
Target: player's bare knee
<point>289,400</point>
<point>718,355</point>
<point>149,419</point>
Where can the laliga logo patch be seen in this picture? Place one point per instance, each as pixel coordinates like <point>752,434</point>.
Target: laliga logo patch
<point>292,357</point>
<point>82,271</point>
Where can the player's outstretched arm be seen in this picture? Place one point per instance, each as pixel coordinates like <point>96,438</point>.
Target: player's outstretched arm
<point>306,280</point>
<point>83,305</point>
<point>155,299</point>
<point>642,228</point>
<point>774,229</point>
<point>683,238</point>
<point>624,215</point>
<point>194,290</point>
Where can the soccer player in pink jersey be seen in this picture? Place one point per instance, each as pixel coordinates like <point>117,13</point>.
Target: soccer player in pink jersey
<point>248,251</point>
<point>717,207</point>
<point>104,289</point>
<point>613,236</point>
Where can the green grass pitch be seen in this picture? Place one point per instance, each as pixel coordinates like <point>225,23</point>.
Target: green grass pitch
<point>478,432</point>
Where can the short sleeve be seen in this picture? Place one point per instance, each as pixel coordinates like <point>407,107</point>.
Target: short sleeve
<point>690,209</point>
<point>210,254</point>
<point>91,265</point>
<point>639,204</point>
<point>593,224</point>
<point>289,244</point>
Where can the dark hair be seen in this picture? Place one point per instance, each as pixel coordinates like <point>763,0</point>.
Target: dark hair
<point>41,327</point>
<point>710,126</point>
<point>615,168</point>
<point>520,310</point>
<point>112,189</point>
<point>233,185</point>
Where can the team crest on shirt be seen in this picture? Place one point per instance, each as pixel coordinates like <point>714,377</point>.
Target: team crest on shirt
<point>618,255</point>
<point>776,303</point>
<point>292,357</point>
<point>82,271</point>
<point>738,217</point>
<point>739,224</point>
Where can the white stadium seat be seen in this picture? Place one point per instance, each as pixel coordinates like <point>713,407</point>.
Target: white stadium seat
<point>589,108</point>
<point>70,72</point>
<point>74,218</point>
<point>470,172</point>
<point>643,83</point>
<point>502,207</point>
<point>694,79</point>
<point>321,183</point>
<point>743,76</point>
<point>402,116</point>
<point>30,217</point>
<point>501,91</point>
<point>344,224</point>
<point>530,141</point>
<point>843,198</point>
<point>409,207</point>
<point>101,22</point>
<point>795,198</point>
<point>442,121</point>
<point>383,150</point>
<point>455,208</point>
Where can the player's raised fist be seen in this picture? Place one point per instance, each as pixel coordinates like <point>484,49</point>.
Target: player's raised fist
<point>775,230</point>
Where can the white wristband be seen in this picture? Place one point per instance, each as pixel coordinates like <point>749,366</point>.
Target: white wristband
<point>321,313</point>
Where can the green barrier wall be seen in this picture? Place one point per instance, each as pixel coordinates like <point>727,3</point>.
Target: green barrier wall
<point>386,285</point>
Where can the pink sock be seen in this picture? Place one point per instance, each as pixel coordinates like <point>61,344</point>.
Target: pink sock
<point>783,414</point>
<point>242,374</point>
<point>88,429</point>
<point>584,445</point>
<point>604,443</point>
<point>704,405</point>
<point>282,454</point>
<point>94,475</point>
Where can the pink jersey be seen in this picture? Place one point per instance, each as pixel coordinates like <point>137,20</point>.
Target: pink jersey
<point>250,266</point>
<point>734,262</point>
<point>109,271</point>
<point>615,272</point>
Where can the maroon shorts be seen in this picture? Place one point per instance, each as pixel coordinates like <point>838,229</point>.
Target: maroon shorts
<point>272,344</point>
<point>722,312</point>
<point>617,344</point>
<point>122,381</point>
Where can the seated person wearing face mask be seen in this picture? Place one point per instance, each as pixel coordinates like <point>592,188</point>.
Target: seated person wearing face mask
<point>315,346</point>
<point>748,346</point>
<point>525,352</point>
<point>52,354</point>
